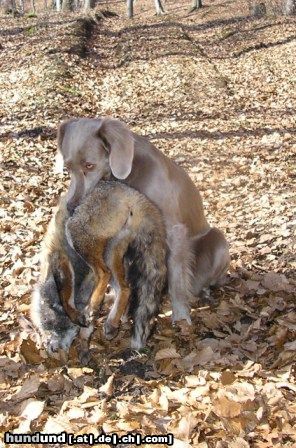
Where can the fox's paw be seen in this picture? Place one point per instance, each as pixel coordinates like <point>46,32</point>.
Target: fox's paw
<point>110,331</point>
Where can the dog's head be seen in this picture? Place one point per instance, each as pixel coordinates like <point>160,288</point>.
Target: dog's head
<point>92,149</point>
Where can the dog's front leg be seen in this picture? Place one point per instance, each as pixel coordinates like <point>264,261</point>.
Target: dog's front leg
<point>179,272</point>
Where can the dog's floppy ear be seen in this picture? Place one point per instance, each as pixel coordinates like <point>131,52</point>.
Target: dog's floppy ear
<point>59,160</point>
<point>120,143</point>
<point>59,163</point>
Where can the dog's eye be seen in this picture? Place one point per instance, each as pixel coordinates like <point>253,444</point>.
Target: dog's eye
<point>89,166</point>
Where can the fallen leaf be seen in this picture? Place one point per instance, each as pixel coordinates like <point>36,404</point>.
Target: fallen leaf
<point>276,282</point>
<point>226,408</point>
<point>31,409</point>
<point>227,377</point>
<point>167,353</point>
<point>28,389</point>
<point>238,442</point>
<point>183,428</point>
<point>30,352</point>
<point>75,413</point>
<point>107,388</point>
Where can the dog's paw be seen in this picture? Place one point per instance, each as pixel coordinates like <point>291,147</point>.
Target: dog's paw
<point>110,331</point>
<point>181,314</point>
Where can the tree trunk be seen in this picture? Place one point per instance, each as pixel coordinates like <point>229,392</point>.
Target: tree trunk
<point>88,4</point>
<point>158,7</point>
<point>22,6</point>
<point>58,5</point>
<point>196,4</point>
<point>13,6</point>
<point>33,6</point>
<point>290,7</point>
<point>130,9</point>
<point>258,9</point>
<point>67,5</point>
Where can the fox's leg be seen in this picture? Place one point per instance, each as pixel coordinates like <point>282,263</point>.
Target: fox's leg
<point>122,289</point>
<point>66,291</point>
<point>92,251</point>
<point>102,279</point>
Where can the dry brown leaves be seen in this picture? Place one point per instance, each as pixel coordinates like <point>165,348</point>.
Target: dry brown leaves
<point>219,98</point>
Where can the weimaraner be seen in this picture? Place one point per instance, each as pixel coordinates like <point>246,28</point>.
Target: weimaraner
<point>105,148</point>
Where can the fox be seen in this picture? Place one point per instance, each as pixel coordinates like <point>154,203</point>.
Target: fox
<point>115,236</point>
<point>121,235</point>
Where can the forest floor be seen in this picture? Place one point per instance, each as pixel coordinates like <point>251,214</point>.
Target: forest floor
<point>215,91</point>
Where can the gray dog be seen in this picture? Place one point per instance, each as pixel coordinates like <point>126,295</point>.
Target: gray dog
<point>104,148</point>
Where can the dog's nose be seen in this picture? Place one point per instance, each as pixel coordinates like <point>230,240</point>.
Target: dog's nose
<point>71,207</point>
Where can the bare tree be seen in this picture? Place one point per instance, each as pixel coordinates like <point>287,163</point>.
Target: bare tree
<point>21,6</point>
<point>196,4</point>
<point>290,7</point>
<point>89,4</point>
<point>258,9</point>
<point>13,6</point>
<point>158,7</point>
<point>58,5</point>
<point>33,6</point>
<point>130,8</point>
<point>67,5</point>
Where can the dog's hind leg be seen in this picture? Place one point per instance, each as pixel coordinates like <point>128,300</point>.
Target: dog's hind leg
<point>211,260</point>
<point>180,272</point>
